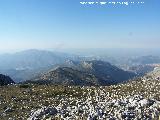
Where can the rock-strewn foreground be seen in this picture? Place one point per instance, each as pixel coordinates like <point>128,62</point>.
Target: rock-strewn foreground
<point>135,100</point>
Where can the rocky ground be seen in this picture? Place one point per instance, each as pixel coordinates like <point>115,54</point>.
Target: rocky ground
<point>135,100</point>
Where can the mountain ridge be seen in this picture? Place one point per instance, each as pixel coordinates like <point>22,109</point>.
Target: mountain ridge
<point>93,72</point>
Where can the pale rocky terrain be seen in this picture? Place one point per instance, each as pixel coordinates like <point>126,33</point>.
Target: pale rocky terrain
<point>138,99</point>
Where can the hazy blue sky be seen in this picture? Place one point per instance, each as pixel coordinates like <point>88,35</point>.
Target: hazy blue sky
<point>58,24</point>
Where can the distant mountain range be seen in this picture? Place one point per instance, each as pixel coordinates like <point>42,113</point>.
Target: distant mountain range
<point>84,73</point>
<point>27,64</point>
<point>5,80</point>
<point>31,59</point>
<point>141,70</point>
<point>145,60</point>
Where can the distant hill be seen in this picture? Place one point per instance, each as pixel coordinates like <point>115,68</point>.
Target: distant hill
<point>66,76</point>
<point>26,64</point>
<point>5,80</point>
<point>101,69</point>
<point>145,60</point>
<point>31,59</point>
<point>141,70</point>
<point>85,73</point>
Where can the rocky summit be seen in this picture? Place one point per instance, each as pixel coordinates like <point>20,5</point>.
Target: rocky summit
<point>138,99</point>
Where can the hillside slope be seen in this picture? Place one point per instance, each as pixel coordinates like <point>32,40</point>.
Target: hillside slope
<point>85,73</point>
<point>5,80</point>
